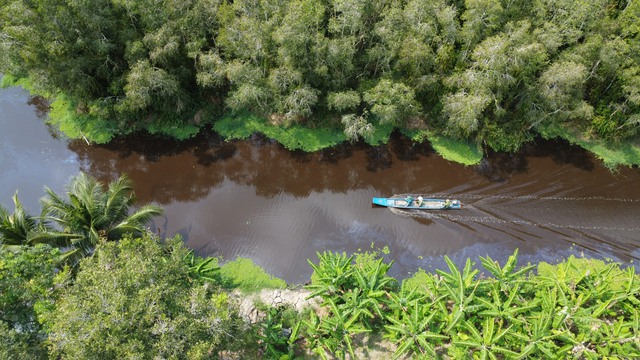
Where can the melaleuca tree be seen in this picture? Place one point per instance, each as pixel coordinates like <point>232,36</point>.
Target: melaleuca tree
<point>392,102</point>
<point>121,61</point>
<point>480,19</point>
<point>299,41</point>
<point>562,92</point>
<point>565,22</point>
<point>494,91</point>
<point>74,47</point>
<point>245,38</point>
<point>414,43</point>
<point>163,76</point>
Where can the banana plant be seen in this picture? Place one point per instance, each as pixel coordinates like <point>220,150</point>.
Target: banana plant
<point>485,343</point>
<point>373,277</point>
<point>275,344</point>
<point>202,269</point>
<point>356,304</point>
<point>399,301</point>
<point>512,309</point>
<point>623,336</point>
<point>507,273</point>
<point>331,276</point>
<point>460,288</point>
<point>374,285</point>
<point>332,335</point>
<point>414,327</point>
<point>541,335</point>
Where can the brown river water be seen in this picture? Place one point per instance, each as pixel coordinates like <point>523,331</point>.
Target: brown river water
<point>254,199</point>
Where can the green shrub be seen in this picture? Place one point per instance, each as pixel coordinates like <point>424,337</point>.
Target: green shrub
<point>133,298</point>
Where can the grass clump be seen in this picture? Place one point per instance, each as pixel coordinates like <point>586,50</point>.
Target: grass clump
<point>77,125</point>
<point>381,134</point>
<point>294,137</point>
<point>245,275</point>
<point>8,80</point>
<point>176,131</point>
<point>459,151</point>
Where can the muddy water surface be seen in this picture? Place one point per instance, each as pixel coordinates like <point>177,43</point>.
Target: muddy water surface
<point>254,199</point>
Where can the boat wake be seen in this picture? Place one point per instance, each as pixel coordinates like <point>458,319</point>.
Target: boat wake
<point>496,220</point>
<point>531,197</point>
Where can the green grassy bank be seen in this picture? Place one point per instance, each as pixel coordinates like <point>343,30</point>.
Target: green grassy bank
<point>93,128</point>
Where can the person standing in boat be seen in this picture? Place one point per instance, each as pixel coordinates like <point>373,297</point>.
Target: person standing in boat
<point>419,201</point>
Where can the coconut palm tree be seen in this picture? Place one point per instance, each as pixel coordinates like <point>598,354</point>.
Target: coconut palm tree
<point>22,229</point>
<point>94,214</point>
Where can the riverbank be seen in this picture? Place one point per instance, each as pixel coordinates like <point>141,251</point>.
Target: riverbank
<point>538,310</point>
<point>64,115</point>
<point>351,308</point>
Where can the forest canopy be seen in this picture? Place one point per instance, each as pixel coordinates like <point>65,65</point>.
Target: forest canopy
<point>495,72</point>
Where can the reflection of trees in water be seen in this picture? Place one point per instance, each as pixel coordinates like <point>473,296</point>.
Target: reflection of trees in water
<point>497,166</point>
<point>500,166</point>
<point>41,109</point>
<point>40,105</point>
<point>407,150</point>
<point>562,152</point>
<point>165,170</point>
<point>299,173</point>
<point>379,158</point>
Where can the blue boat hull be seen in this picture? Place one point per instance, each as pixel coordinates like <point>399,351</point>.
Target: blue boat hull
<point>413,203</point>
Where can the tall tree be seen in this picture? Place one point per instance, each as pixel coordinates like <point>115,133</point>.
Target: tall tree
<point>392,102</point>
<point>565,22</point>
<point>495,90</point>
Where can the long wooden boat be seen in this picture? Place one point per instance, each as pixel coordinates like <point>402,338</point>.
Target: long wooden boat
<point>418,203</point>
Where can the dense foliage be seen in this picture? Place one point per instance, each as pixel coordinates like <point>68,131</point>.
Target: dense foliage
<point>26,283</point>
<point>577,309</point>
<point>491,70</point>
<point>136,299</point>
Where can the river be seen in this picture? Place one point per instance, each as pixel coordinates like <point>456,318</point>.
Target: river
<point>254,199</point>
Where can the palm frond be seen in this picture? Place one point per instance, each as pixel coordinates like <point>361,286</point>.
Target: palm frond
<point>15,227</point>
<point>49,237</point>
